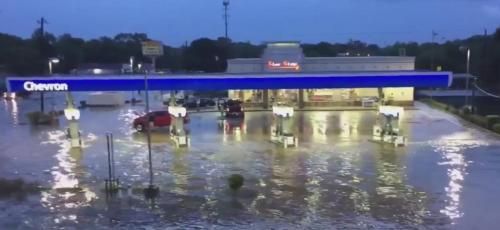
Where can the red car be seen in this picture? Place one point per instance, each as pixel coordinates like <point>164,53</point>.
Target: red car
<point>159,119</point>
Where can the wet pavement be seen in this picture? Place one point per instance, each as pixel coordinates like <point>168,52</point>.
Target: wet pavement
<point>448,177</point>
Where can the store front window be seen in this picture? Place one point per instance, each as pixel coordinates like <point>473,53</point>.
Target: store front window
<point>330,95</point>
<point>288,96</point>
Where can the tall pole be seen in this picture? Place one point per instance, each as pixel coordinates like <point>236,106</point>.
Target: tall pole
<point>42,49</point>
<point>225,3</point>
<point>434,34</point>
<point>467,78</point>
<point>148,129</point>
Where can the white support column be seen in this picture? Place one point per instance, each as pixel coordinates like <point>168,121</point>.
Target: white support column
<point>283,133</point>
<point>177,131</point>
<point>73,115</point>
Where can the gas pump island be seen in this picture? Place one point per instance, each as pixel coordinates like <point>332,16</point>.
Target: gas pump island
<point>282,130</point>
<point>388,128</point>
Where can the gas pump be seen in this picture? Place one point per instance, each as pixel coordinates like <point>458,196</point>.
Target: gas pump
<point>73,115</point>
<point>177,130</point>
<point>388,130</point>
<point>282,132</point>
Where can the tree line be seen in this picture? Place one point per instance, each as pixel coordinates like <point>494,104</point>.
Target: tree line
<point>20,56</point>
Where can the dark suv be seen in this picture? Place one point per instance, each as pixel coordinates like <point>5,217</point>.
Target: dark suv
<point>234,109</point>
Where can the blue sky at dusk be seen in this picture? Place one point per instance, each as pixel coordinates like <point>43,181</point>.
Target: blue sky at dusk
<point>176,21</point>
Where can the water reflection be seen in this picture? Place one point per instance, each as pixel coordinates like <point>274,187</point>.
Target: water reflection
<point>319,127</point>
<point>348,124</point>
<point>393,198</point>
<point>316,167</point>
<point>180,173</point>
<point>233,129</point>
<point>13,110</point>
<point>452,148</point>
<point>66,191</point>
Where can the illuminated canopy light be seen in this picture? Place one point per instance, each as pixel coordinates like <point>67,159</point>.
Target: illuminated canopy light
<point>97,71</point>
<point>177,111</point>
<point>54,60</point>
<point>285,111</point>
<point>395,111</point>
<point>72,114</point>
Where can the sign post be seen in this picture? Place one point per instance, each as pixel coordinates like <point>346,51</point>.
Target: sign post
<point>152,49</point>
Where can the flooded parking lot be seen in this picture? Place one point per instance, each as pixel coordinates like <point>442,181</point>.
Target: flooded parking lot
<point>447,177</point>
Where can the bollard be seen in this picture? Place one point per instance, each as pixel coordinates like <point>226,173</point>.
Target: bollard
<point>112,183</point>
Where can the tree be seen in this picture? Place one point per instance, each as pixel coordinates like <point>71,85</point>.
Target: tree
<point>71,51</point>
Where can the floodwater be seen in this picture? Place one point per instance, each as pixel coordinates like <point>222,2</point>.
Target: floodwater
<point>448,177</point>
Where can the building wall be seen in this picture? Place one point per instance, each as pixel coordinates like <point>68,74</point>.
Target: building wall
<point>350,64</point>
<point>399,94</point>
<point>326,64</point>
<point>245,65</point>
<point>283,53</point>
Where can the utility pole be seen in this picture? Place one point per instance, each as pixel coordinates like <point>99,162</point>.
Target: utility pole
<point>42,22</point>
<point>434,34</point>
<point>225,3</point>
<point>41,41</point>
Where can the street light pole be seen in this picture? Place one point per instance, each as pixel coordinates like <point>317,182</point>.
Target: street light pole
<point>42,96</point>
<point>148,129</point>
<point>467,75</point>
<point>467,79</point>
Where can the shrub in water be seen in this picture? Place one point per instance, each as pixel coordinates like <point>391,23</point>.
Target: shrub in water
<point>496,128</point>
<point>16,187</point>
<point>236,181</point>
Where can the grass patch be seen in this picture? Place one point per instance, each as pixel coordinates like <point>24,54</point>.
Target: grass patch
<point>39,118</point>
<point>491,122</point>
<point>496,128</point>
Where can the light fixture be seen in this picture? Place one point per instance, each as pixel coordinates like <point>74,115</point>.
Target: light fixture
<point>97,71</point>
<point>72,114</point>
<point>177,111</point>
<point>54,60</point>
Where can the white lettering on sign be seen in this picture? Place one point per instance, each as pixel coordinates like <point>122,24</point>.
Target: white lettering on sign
<point>32,86</point>
<point>283,65</point>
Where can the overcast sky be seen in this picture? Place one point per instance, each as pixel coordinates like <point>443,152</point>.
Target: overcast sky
<point>176,21</point>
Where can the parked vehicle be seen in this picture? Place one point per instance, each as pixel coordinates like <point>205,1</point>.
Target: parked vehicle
<point>105,99</point>
<point>198,103</point>
<point>234,109</point>
<point>158,119</point>
<point>190,103</point>
<point>206,102</point>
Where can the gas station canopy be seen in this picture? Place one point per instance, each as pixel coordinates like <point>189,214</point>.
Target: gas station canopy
<point>231,81</point>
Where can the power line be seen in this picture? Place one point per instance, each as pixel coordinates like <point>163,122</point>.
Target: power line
<point>486,92</point>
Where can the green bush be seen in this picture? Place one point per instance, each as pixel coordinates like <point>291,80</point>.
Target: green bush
<point>492,120</point>
<point>453,110</point>
<point>235,181</point>
<point>16,187</point>
<point>436,104</point>
<point>496,128</point>
<point>478,120</point>
<point>39,118</point>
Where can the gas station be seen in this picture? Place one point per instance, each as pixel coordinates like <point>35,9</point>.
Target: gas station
<point>386,132</point>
